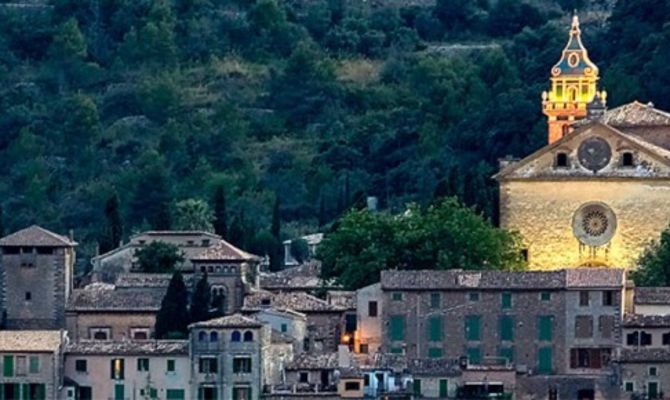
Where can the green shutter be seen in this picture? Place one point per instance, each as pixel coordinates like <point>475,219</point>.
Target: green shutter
<point>444,388</point>
<point>397,327</point>
<point>153,393</point>
<point>545,360</point>
<point>25,391</point>
<point>2,391</point>
<point>506,328</point>
<point>119,392</point>
<point>201,394</point>
<point>34,364</point>
<point>396,350</point>
<point>544,328</point>
<point>434,352</point>
<point>417,387</point>
<point>472,327</point>
<point>545,296</point>
<point>435,300</point>
<point>474,355</point>
<point>41,392</point>
<point>8,366</point>
<point>508,353</point>
<point>175,394</point>
<point>435,329</point>
<point>170,366</point>
<point>506,300</point>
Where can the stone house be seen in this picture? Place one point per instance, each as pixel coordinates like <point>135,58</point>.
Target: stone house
<point>129,369</point>
<point>104,312</point>
<point>324,321</point>
<point>652,300</point>
<point>302,278</point>
<point>644,373</point>
<point>313,373</point>
<point>288,322</point>
<point>36,272</point>
<point>31,364</point>
<point>227,358</point>
<point>369,319</point>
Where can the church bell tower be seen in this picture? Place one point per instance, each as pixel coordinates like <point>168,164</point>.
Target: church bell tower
<point>573,86</point>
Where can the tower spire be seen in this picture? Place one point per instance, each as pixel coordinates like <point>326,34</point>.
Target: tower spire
<point>573,85</point>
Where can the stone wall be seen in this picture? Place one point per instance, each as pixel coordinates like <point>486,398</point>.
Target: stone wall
<point>79,323</point>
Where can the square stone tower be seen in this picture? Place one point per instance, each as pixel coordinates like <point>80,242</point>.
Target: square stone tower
<point>36,269</point>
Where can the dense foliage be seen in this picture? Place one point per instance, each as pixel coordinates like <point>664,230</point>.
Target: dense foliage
<point>654,263</point>
<point>314,103</point>
<point>173,317</point>
<point>159,257</point>
<point>444,235</point>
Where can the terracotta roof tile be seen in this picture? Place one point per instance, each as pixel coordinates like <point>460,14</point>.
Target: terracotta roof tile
<point>224,251</point>
<point>646,321</point>
<point>229,321</point>
<point>36,236</point>
<point>146,280</point>
<point>104,299</point>
<point>652,295</point>
<point>307,361</point>
<point>643,355</point>
<point>296,301</point>
<point>129,347</point>
<point>30,341</point>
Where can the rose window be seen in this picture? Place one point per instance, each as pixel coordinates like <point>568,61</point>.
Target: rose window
<point>594,224</point>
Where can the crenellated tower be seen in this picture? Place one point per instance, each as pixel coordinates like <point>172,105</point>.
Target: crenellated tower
<point>573,86</point>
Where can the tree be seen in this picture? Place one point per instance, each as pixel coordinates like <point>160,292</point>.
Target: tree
<point>654,264</point>
<point>113,231</point>
<point>193,215</point>
<point>275,230</point>
<point>299,250</point>
<point>2,222</point>
<point>172,318</point>
<point>444,235</point>
<point>220,222</point>
<point>159,257</point>
<point>201,301</point>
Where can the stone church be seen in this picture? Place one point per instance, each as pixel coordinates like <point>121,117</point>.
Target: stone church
<point>599,191</point>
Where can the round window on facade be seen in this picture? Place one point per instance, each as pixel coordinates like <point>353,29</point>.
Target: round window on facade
<point>573,59</point>
<point>594,224</point>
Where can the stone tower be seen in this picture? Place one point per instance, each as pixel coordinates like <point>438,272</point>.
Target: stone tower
<point>36,269</point>
<point>573,86</point>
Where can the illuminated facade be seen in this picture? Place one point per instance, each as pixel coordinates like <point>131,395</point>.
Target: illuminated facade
<point>573,86</point>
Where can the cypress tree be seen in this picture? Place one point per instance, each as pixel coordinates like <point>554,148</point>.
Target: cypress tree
<point>201,300</point>
<point>275,230</point>
<point>220,225</point>
<point>322,211</point>
<point>114,227</point>
<point>236,234</point>
<point>172,319</point>
<point>2,223</point>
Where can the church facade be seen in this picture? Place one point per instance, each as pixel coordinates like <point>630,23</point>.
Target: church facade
<point>599,192</point>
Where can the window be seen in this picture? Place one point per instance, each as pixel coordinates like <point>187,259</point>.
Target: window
<point>507,353</point>
<point>207,365</point>
<point>242,365</point>
<point>29,296</point>
<point>444,388</point>
<point>435,329</point>
<point>561,160</point>
<point>584,298</point>
<point>435,300</point>
<point>506,300</point>
<point>175,394</point>
<point>100,333</point>
<point>213,336</point>
<point>80,366</point>
<point>506,328</point>
<point>545,296</point>
<point>119,392</point>
<point>472,331</point>
<point>266,302</point>
<point>628,386</point>
<point>139,333</point>
<point>608,297</point>
<point>645,339</point>
<point>202,336</point>
<point>372,309</point>
<point>248,336</point>
<point>653,371</point>
<point>584,326</point>
<point>666,339</point>
<point>363,348</point>
<point>304,377</point>
<point>592,358</point>
<point>236,336</point>
<point>352,385</point>
<point>606,326</point>
<point>633,338</point>
<point>397,327</point>
<point>21,367</point>
<point>283,328</point>
<point>170,365</point>
<point>116,368</point>
<point>524,255</point>
<point>434,352</point>
<point>305,344</point>
<point>397,350</point>
<point>473,296</point>
<point>544,328</point>
<point>416,387</point>
<point>34,364</point>
<point>474,356</point>
<point>143,364</point>
<point>396,296</point>
<point>8,366</point>
<point>627,159</point>
<point>544,364</point>
<point>242,393</point>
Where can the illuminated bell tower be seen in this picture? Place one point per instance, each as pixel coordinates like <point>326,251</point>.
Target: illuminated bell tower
<point>573,86</point>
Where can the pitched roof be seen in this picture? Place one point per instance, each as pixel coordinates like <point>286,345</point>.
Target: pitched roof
<point>36,236</point>
<point>434,367</point>
<point>146,280</point>
<point>224,251</point>
<point>229,321</point>
<point>30,341</point>
<point>301,277</point>
<point>280,337</point>
<point>643,355</point>
<point>502,280</point>
<point>646,321</point>
<point>652,295</point>
<point>129,347</point>
<point>97,299</point>
<point>636,114</point>
<point>297,301</point>
<point>313,361</point>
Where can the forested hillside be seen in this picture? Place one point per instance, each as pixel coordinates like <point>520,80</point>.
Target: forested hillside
<point>314,102</point>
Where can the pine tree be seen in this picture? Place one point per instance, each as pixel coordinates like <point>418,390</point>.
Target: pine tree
<point>220,223</point>
<point>201,300</point>
<point>172,319</point>
<point>275,230</point>
<point>114,227</point>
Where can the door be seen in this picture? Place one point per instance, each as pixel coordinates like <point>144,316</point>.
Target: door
<point>119,392</point>
<point>586,394</point>
<point>545,360</point>
<point>652,390</point>
<point>444,386</point>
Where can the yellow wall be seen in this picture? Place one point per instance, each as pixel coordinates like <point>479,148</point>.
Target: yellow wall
<point>542,212</point>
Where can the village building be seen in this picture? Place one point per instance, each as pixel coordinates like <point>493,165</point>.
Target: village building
<point>31,364</point>
<point>651,301</point>
<point>286,322</point>
<point>369,310</point>
<point>313,240</point>
<point>36,278</point>
<point>128,369</point>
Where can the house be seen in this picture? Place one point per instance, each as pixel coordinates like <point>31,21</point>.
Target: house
<point>652,300</point>
<point>644,372</point>
<point>36,271</point>
<point>31,363</point>
<point>128,369</point>
<point>313,242</point>
<point>302,278</point>
<point>287,322</point>
<point>369,310</point>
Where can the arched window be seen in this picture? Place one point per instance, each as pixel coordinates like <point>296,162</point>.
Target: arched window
<point>561,160</point>
<point>248,336</point>
<point>627,159</point>
<point>202,336</point>
<point>213,337</point>
<point>235,336</point>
